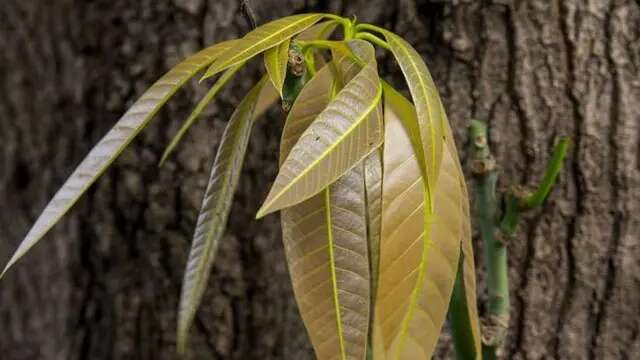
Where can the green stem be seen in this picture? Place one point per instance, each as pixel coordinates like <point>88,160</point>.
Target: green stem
<point>555,165</point>
<point>373,39</point>
<point>495,252</point>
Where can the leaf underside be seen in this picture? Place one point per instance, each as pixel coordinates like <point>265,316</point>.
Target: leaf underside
<point>425,96</point>
<point>325,243</point>
<point>339,138</point>
<point>215,208</point>
<point>113,143</point>
<point>417,270</point>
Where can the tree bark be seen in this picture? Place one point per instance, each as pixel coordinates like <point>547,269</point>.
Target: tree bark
<point>104,284</point>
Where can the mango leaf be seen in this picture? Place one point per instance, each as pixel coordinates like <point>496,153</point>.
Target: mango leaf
<point>373,185</point>
<point>322,30</point>
<point>202,104</point>
<point>339,138</point>
<point>325,243</point>
<point>312,100</point>
<point>427,103</point>
<point>419,250</point>
<point>114,142</point>
<point>215,209</point>
<point>261,39</point>
<point>275,61</point>
<point>441,264</point>
<point>466,289</point>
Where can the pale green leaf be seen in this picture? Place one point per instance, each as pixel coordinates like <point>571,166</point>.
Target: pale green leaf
<point>326,247</point>
<point>114,142</point>
<point>339,138</point>
<point>318,31</point>
<point>215,209</point>
<point>275,61</point>
<point>261,39</point>
<point>427,104</point>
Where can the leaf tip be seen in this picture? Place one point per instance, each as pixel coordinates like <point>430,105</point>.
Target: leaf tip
<point>163,159</point>
<point>264,211</point>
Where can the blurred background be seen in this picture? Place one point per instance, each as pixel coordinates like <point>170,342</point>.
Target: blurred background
<point>104,284</point>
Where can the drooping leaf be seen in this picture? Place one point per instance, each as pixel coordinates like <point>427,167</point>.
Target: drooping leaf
<point>441,265</point>
<point>340,137</point>
<point>466,276</point>
<point>261,39</point>
<point>202,104</point>
<point>419,250</point>
<point>215,208</point>
<point>275,61</point>
<point>114,142</point>
<point>325,243</point>
<point>427,104</point>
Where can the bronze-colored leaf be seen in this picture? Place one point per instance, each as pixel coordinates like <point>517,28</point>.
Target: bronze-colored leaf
<point>325,243</point>
<point>215,208</point>
<point>114,142</point>
<point>340,137</point>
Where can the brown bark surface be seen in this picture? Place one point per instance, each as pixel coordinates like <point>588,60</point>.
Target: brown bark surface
<point>104,283</point>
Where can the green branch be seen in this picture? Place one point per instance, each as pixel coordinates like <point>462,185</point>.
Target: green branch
<point>495,228</point>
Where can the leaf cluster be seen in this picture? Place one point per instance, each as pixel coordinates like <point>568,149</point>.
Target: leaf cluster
<point>373,202</point>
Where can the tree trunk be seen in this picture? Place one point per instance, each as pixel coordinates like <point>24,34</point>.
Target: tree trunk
<point>104,284</point>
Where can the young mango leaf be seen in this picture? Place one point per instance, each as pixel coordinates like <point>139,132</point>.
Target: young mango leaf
<point>321,30</point>
<point>465,287</point>
<point>340,137</point>
<point>427,104</point>
<point>325,243</point>
<point>261,39</point>
<point>312,100</point>
<point>441,265</point>
<point>114,142</point>
<point>419,250</point>
<point>275,61</point>
<point>202,104</point>
<point>215,208</point>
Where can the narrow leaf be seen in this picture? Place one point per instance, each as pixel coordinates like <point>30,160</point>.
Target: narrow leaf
<point>114,142</point>
<point>340,137</point>
<point>215,209</point>
<point>325,243</point>
<point>222,81</point>
<point>419,250</point>
<point>261,39</point>
<point>275,61</point>
<point>427,103</point>
<point>467,268</point>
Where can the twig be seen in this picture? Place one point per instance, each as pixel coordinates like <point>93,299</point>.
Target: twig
<point>248,13</point>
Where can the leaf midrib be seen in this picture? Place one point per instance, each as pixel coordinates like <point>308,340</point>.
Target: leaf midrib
<point>329,149</point>
<point>233,60</point>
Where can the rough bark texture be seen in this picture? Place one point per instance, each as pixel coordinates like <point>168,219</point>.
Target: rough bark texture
<point>104,284</point>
